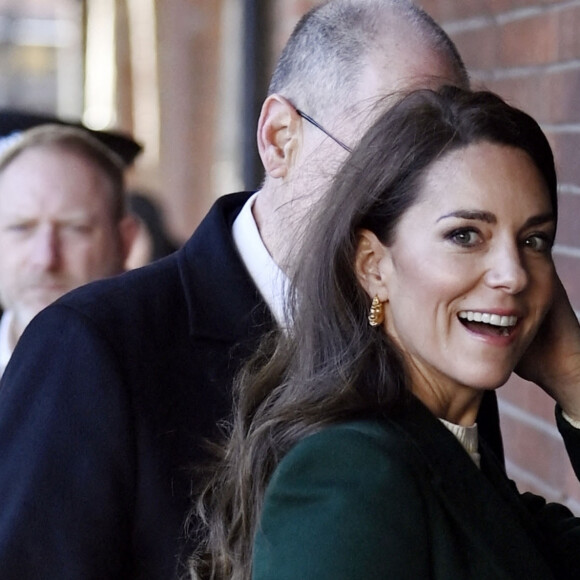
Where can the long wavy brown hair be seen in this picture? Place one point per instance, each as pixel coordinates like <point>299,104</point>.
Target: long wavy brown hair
<point>330,365</point>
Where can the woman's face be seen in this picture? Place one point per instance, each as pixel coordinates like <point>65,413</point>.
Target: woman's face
<point>469,275</point>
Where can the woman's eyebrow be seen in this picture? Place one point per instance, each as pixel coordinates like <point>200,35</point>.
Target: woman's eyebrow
<point>471,214</point>
<point>488,217</point>
<point>540,219</point>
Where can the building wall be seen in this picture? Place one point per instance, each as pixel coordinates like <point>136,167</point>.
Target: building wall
<point>529,52</point>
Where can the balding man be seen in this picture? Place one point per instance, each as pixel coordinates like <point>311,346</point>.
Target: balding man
<point>63,222</point>
<point>113,391</point>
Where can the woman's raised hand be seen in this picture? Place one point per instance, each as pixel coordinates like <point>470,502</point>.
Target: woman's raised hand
<point>552,361</point>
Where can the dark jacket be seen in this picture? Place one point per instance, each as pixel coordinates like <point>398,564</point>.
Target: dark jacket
<point>105,407</point>
<point>400,498</point>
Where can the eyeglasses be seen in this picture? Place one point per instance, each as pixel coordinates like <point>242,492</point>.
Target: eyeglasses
<point>321,128</point>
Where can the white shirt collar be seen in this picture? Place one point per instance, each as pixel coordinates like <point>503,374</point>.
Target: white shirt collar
<point>6,348</point>
<point>267,276</point>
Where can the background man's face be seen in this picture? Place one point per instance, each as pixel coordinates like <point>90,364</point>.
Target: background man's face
<point>57,231</point>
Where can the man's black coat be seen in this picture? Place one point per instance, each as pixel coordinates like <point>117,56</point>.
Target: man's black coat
<point>105,407</point>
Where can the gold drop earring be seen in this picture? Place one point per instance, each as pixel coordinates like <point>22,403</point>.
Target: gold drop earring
<point>376,312</point>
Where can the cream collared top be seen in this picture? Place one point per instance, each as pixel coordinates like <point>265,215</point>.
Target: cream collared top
<point>468,438</point>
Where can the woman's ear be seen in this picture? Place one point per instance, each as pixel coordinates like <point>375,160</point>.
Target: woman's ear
<point>279,135</point>
<point>372,265</point>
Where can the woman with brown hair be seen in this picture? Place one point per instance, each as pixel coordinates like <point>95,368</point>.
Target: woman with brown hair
<point>427,278</point>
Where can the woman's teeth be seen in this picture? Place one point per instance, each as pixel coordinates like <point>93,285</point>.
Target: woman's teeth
<point>487,318</point>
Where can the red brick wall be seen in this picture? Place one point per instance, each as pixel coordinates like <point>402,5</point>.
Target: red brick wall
<point>529,52</point>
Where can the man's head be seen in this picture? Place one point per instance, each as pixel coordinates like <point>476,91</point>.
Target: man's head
<point>341,64</point>
<point>63,219</point>
<point>324,67</point>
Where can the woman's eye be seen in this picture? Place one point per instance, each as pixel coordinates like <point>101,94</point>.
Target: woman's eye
<point>539,243</point>
<point>465,237</point>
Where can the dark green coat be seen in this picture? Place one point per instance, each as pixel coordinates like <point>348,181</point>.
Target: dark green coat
<point>399,499</point>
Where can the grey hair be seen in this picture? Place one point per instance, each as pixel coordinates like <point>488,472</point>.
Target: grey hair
<point>322,62</point>
<point>81,143</point>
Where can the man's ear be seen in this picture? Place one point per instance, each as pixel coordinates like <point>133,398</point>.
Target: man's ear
<point>372,265</point>
<point>279,135</point>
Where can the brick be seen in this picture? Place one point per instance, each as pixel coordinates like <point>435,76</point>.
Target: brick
<point>568,269</point>
<point>498,7</point>
<point>527,93</point>
<point>452,10</point>
<point>505,6</point>
<point>434,8</point>
<point>478,47</point>
<point>535,451</point>
<point>568,37</point>
<point>530,41</point>
<point>551,98</point>
<point>566,146</point>
<point>527,397</point>
<point>563,92</point>
<point>501,6</point>
<point>541,455</point>
<point>569,220</point>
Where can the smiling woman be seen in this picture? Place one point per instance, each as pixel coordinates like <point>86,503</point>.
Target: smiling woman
<point>355,450</point>
<point>465,247</point>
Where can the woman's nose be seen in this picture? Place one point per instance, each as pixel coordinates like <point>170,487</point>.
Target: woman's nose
<point>507,269</point>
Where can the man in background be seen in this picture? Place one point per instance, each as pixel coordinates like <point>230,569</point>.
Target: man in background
<point>63,222</point>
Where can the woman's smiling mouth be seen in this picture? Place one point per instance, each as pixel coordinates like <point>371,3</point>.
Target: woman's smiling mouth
<point>488,323</point>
